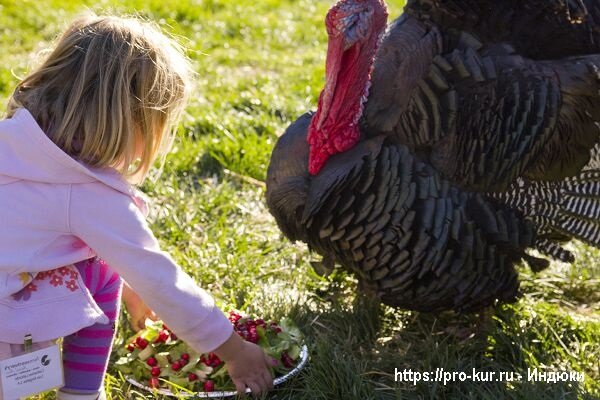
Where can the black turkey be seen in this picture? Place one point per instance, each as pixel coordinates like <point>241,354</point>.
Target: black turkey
<point>437,156</point>
<point>538,29</point>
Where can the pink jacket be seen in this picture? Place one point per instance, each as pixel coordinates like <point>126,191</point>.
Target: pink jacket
<point>53,212</point>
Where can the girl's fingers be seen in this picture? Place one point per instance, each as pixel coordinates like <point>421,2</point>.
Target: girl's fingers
<point>240,387</point>
<point>135,324</point>
<point>268,379</point>
<point>260,382</point>
<point>255,387</point>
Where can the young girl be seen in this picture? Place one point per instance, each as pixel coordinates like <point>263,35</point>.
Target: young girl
<point>81,128</point>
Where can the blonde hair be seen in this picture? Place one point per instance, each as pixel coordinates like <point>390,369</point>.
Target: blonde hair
<point>112,90</point>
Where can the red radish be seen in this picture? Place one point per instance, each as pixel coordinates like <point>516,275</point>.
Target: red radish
<point>185,356</point>
<point>176,366</point>
<point>162,336</point>
<point>287,360</point>
<point>274,327</point>
<point>151,362</point>
<point>155,371</point>
<point>213,360</point>
<point>130,347</point>
<point>192,377</point>
<point>141,342</point>
<point>234,317</point>
<point>261,323</point>
<point>209,386</point>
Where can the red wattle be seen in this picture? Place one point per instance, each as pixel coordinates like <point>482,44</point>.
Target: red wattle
<point>317,158</point>
<point>321,149</point>
<point>350,55</point>
<point>346,140</point>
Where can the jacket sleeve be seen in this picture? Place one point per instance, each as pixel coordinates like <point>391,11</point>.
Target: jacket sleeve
<point>111,224</point>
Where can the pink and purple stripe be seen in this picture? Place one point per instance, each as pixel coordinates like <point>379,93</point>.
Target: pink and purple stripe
<point>86,353</point>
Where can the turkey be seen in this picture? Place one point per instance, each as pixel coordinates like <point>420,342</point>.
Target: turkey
<point>438,156</point>
<point>538,29</point>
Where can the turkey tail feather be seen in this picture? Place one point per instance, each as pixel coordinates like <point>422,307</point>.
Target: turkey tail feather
<point>594,158</point>
<point>554,250</point>
<point>560,210</point>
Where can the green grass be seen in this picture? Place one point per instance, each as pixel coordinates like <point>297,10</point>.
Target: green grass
<point>260,65</point>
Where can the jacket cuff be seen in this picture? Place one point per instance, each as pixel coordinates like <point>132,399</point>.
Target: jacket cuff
<point>212,332</point>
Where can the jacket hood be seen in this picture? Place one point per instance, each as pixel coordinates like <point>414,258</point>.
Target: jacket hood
<point>26,153</point>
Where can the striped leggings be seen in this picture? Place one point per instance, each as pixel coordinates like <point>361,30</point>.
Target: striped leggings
<point>86,352</point>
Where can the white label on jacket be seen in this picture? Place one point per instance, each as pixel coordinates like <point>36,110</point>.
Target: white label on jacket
<point>31,373</point>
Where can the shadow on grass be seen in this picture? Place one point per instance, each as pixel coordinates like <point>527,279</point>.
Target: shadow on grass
<point>360,351</point>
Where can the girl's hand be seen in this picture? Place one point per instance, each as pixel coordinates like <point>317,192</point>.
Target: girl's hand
<point>247,364</point>
<point>136,308</point>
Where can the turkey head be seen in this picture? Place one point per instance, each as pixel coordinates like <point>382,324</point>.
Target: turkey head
<point>355,28</point>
